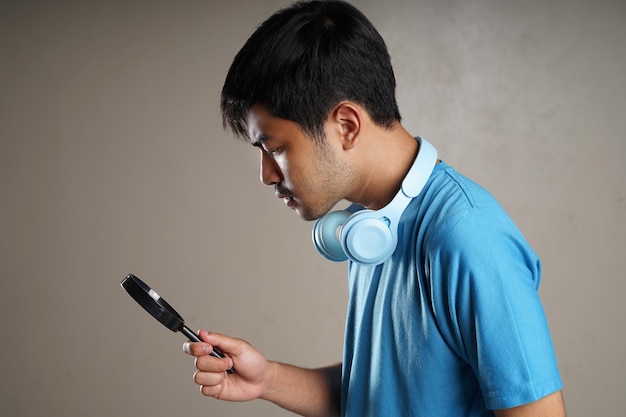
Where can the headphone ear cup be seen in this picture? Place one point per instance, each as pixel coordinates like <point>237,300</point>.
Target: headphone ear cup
<point>327,235</point>
<point>368,239</point>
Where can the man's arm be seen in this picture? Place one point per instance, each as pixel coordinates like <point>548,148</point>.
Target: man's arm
<point>549,406</point>
<point>308,392</point>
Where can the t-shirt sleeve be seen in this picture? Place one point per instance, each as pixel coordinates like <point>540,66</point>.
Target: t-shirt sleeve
<point>484,281</point>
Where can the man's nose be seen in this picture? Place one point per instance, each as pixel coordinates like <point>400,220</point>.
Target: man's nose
<point>270,172</point>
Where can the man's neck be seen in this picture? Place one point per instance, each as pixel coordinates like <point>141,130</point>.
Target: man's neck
<point>385,160</point>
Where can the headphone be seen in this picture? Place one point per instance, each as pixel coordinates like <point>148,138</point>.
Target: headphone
<point>369,237</point>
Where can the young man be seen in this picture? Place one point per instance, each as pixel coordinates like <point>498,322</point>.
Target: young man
<point>447,324</point>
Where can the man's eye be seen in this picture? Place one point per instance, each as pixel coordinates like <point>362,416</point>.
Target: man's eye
<point>275,151</point>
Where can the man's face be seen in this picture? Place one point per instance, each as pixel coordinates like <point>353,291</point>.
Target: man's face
<point>308,175</point>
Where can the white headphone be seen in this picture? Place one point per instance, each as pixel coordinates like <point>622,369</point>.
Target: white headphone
<point>369,237</point>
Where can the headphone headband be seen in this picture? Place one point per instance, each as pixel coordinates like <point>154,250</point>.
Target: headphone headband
<point>420,171</point>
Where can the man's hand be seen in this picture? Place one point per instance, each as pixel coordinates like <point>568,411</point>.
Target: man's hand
<point>308,392</point>
<point>251,367</point>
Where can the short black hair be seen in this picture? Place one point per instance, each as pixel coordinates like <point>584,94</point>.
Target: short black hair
<point>305,59</point>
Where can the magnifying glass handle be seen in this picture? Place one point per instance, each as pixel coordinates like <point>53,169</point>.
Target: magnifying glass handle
<point>194,338</point>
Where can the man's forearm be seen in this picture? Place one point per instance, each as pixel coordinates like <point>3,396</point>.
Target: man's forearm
<point>308,392</point>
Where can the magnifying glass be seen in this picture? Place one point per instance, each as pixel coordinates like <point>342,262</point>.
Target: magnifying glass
<point>161,310</point>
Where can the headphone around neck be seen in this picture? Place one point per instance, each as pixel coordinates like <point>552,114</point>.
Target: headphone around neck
<point>369,237</point>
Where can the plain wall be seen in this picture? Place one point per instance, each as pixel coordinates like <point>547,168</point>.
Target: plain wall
<point>113,160</point>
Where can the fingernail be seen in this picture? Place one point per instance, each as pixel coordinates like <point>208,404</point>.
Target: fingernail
<point>186,348</point>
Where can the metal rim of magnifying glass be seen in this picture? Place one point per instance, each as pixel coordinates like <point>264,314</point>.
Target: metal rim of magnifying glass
<point>153,303</point>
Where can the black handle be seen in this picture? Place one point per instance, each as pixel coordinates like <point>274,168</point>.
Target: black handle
<point>194,337</point>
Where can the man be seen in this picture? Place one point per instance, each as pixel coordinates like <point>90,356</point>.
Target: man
<point>449,323</point>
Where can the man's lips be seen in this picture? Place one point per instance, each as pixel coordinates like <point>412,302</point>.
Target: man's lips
<point>287,198</point>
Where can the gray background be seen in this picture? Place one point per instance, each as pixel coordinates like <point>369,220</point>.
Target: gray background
<point>113,160</point>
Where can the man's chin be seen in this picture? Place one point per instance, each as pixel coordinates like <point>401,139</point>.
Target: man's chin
<point>305,214</point>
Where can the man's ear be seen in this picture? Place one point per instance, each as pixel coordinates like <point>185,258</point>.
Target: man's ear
<point>347,118</point>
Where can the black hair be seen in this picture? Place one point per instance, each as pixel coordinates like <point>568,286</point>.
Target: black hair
<point>305,59</point>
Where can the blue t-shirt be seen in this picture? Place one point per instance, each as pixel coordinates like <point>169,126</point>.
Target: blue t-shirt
<point>452,324</point>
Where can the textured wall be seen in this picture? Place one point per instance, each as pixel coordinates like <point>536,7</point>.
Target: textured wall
<point>113,160</point>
